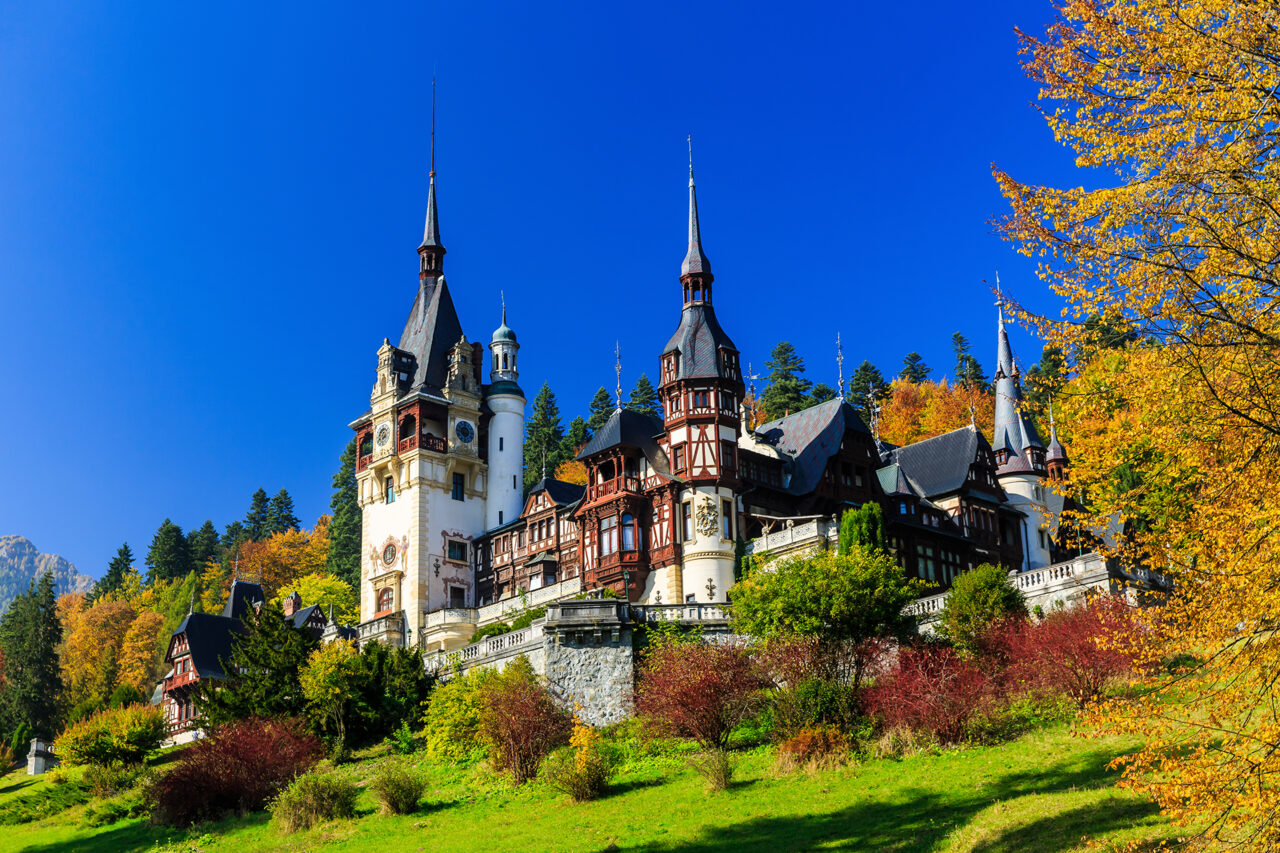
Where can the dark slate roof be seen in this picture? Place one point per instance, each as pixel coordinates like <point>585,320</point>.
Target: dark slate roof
<point>243,595</point>
<point>209,638</point>
<point>695,260</point>
<point>811,437</point>
<point>504,386</point>
<point>1057,453</point>
<point>430,332</point>
<point>431,229</point>
<point>699,340</point>
<point>300,617</point>
<point>632,429</point>
<point>559,491</point>
<point>543,557</point>
<point>893,480</point>
<point>940,464</point>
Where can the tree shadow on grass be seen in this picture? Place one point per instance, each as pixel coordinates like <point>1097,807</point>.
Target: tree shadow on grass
<point>18,785</point>
<point>1049,834</point>
<point>141,835</point>
<point>920,819</point>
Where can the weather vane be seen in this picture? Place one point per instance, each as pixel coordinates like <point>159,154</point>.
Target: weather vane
<point>840,365</point>
<point>617,356</point>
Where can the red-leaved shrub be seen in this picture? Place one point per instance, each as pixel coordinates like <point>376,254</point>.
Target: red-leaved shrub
<point>789,660</point>
<point>1073,652</point>
<point>701,691</point>
<point>930,689</point>
<point>521,722</point>
<point>234,771</point>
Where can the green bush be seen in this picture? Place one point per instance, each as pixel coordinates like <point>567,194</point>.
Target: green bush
<point>125,735</point>
<point>452,724</point>
<point>583,769</point>
<point>85,709</point>
<point>403,740</point>
<point>812,702</point>
<point>714,767</point>
<point>107,780</point>
<point>493,630</point>
<point>125,694</point>
<point>20,742</point>
<point>525,619</point>
<point>397,790</point>
<point>312,798</point>
<point>125,805</point>
<point>979,599</point>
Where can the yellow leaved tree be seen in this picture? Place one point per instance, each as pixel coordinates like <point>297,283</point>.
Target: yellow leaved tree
<point>1166,263</point>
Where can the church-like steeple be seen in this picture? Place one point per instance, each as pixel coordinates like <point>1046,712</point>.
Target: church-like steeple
<point>695,272</point>
<point>431,252</point>
<point>1017,445</point>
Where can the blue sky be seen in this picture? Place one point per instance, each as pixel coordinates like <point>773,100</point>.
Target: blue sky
<point>210,213</point>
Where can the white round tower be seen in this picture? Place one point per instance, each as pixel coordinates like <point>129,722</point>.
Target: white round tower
<point>506,430</point>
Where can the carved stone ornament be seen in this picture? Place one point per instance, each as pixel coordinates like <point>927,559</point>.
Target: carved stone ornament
<point>708,517</point>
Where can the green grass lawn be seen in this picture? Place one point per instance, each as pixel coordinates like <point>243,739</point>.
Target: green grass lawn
<point>1046,791</point>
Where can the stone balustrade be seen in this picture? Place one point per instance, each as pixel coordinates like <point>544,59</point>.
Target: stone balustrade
<point>490,650</point>
<point>684,613</point>
<point>450,616</point>
<point>491,613</point>
<point>815,534</point>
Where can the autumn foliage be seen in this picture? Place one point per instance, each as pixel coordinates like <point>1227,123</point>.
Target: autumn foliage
<point>930,689</point>
<point>521,721</point>
<point>701,691</point>
<point>235,771</point>
<point>914,411</point>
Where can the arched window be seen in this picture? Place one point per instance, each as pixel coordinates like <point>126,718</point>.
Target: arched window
<point>628,532</point>
<point>386,598</point>
<point>608,535</point>
<point>504,361</point>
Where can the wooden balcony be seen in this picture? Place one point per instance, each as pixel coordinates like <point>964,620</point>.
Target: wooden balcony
<point>613,487</point>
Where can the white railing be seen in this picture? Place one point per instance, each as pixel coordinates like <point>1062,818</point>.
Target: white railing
<point>450,616</point>
<point>1085,571</point>
<point>491,613</point>
<point>811,533</point>
<point>679,613</point>
<point>490,649</point>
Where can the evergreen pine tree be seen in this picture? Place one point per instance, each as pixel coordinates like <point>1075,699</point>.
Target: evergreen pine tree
<point>643,398</point>
<point>821,393</point>
<point>263,671</point>
<point>343,559</point>
<point>862,528</point>
<point>114,576</point>
<point>281,516</point>
<point>1044,380</point>
<point>601,409</point>
<point>169,555</point>
<point>257,523</point>
<point>960,346</point>
<point>543,437</point>
<point>788,390</point>
<point>29,637</point>
<point>574,439</point>
<point>867,381</point>
<point>204,545</point>
<point>914,369</point>
<point>234,534</point>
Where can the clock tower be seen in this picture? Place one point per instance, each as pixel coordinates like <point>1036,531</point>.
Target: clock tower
<point>421,467</point>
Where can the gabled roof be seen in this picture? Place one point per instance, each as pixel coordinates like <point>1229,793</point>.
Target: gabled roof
<point>301,617</point>
<point>209,640</point>
<point>699,340</point>
<point>811,437</point>
<point>631,429</point>
<point>243,595</point>
<point>430,332</point>
<point>941,464</point>
<point>893,480</point>
<point>559,491</point>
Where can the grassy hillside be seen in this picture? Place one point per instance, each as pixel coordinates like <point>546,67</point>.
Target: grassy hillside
<point>1046,791</point>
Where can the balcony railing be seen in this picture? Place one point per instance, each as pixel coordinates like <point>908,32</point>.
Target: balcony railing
<point>613,487</point>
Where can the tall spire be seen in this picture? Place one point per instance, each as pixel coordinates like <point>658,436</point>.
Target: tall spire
<point>695,272</point>
<point>431,251</point>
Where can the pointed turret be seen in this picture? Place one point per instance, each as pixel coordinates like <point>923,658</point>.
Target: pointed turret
<point>1018,446</point>
<point>431,251</point>
<point>695,271</point>
<point>1057,458</point>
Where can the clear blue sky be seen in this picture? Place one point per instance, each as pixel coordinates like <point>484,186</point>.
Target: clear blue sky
<point>208,215</point>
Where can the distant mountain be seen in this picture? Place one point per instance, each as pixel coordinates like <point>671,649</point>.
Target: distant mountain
<point>21,563</point>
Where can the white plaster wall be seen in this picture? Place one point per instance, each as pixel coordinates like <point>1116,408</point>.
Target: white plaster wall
<point>706,556</point>
<point>1020,489</point>
<point>506,424</point>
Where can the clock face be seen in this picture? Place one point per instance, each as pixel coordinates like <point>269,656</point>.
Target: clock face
<point>384,435</point>
<point>389,555</point>
<point>464,431</point>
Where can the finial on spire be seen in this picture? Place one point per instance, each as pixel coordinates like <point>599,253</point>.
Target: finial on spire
<point>751,375</point>
<point>840,365</point>
<point>431,249</point>
<point>690,140</point>
<point>433,125</point>
<point>695,260</point>
<point>999,299</point>
<point>973,416</point>
<point>617,359</point>
<point>873,411</point>
<point>503,296</point>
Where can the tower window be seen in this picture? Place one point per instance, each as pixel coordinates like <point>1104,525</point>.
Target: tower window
<point>391,490</point>
<point>386,599</point>
<point>608,535</point>
<point>457,597</point>
<point>501,441</point>
<point>504,361</point>
<point>726,519</point>
<point>499,516</point>
<point>686,514</point>
<point>678,453</point>
<point>459,484</point>
<point>700,399</point>
<point>366,445</point>
<point>457,551</point>
<point>628,532</point>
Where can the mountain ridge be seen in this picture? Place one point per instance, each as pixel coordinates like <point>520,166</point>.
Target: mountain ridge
<point>21,563</point>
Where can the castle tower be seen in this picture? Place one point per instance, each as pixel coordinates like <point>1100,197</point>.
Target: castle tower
<point>506,429</point>
<point>701,389</point>
<point>1056,461</point>
<point>420,475</point>
<point>1020,456</point>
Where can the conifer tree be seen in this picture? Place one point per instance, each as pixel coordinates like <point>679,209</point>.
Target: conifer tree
<point>169,555</point>
<point>788,390</point>
<point>204,545</point>
<point>29,637</point>
<point>600,410</point>
<point>574,439</point>
<point>282,517</point>
<point>960,346</point>
<point>343,559</point>
<point>263,672</point>
<point>543,437</point>
<point>114,576</point>
<point>257,523</point>
<point>643,398</point>
<point>821,393</point>
<point>914,369</point>
<point>867,382</point>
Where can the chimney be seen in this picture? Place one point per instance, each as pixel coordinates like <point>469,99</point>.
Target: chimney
<point>292,604</point>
